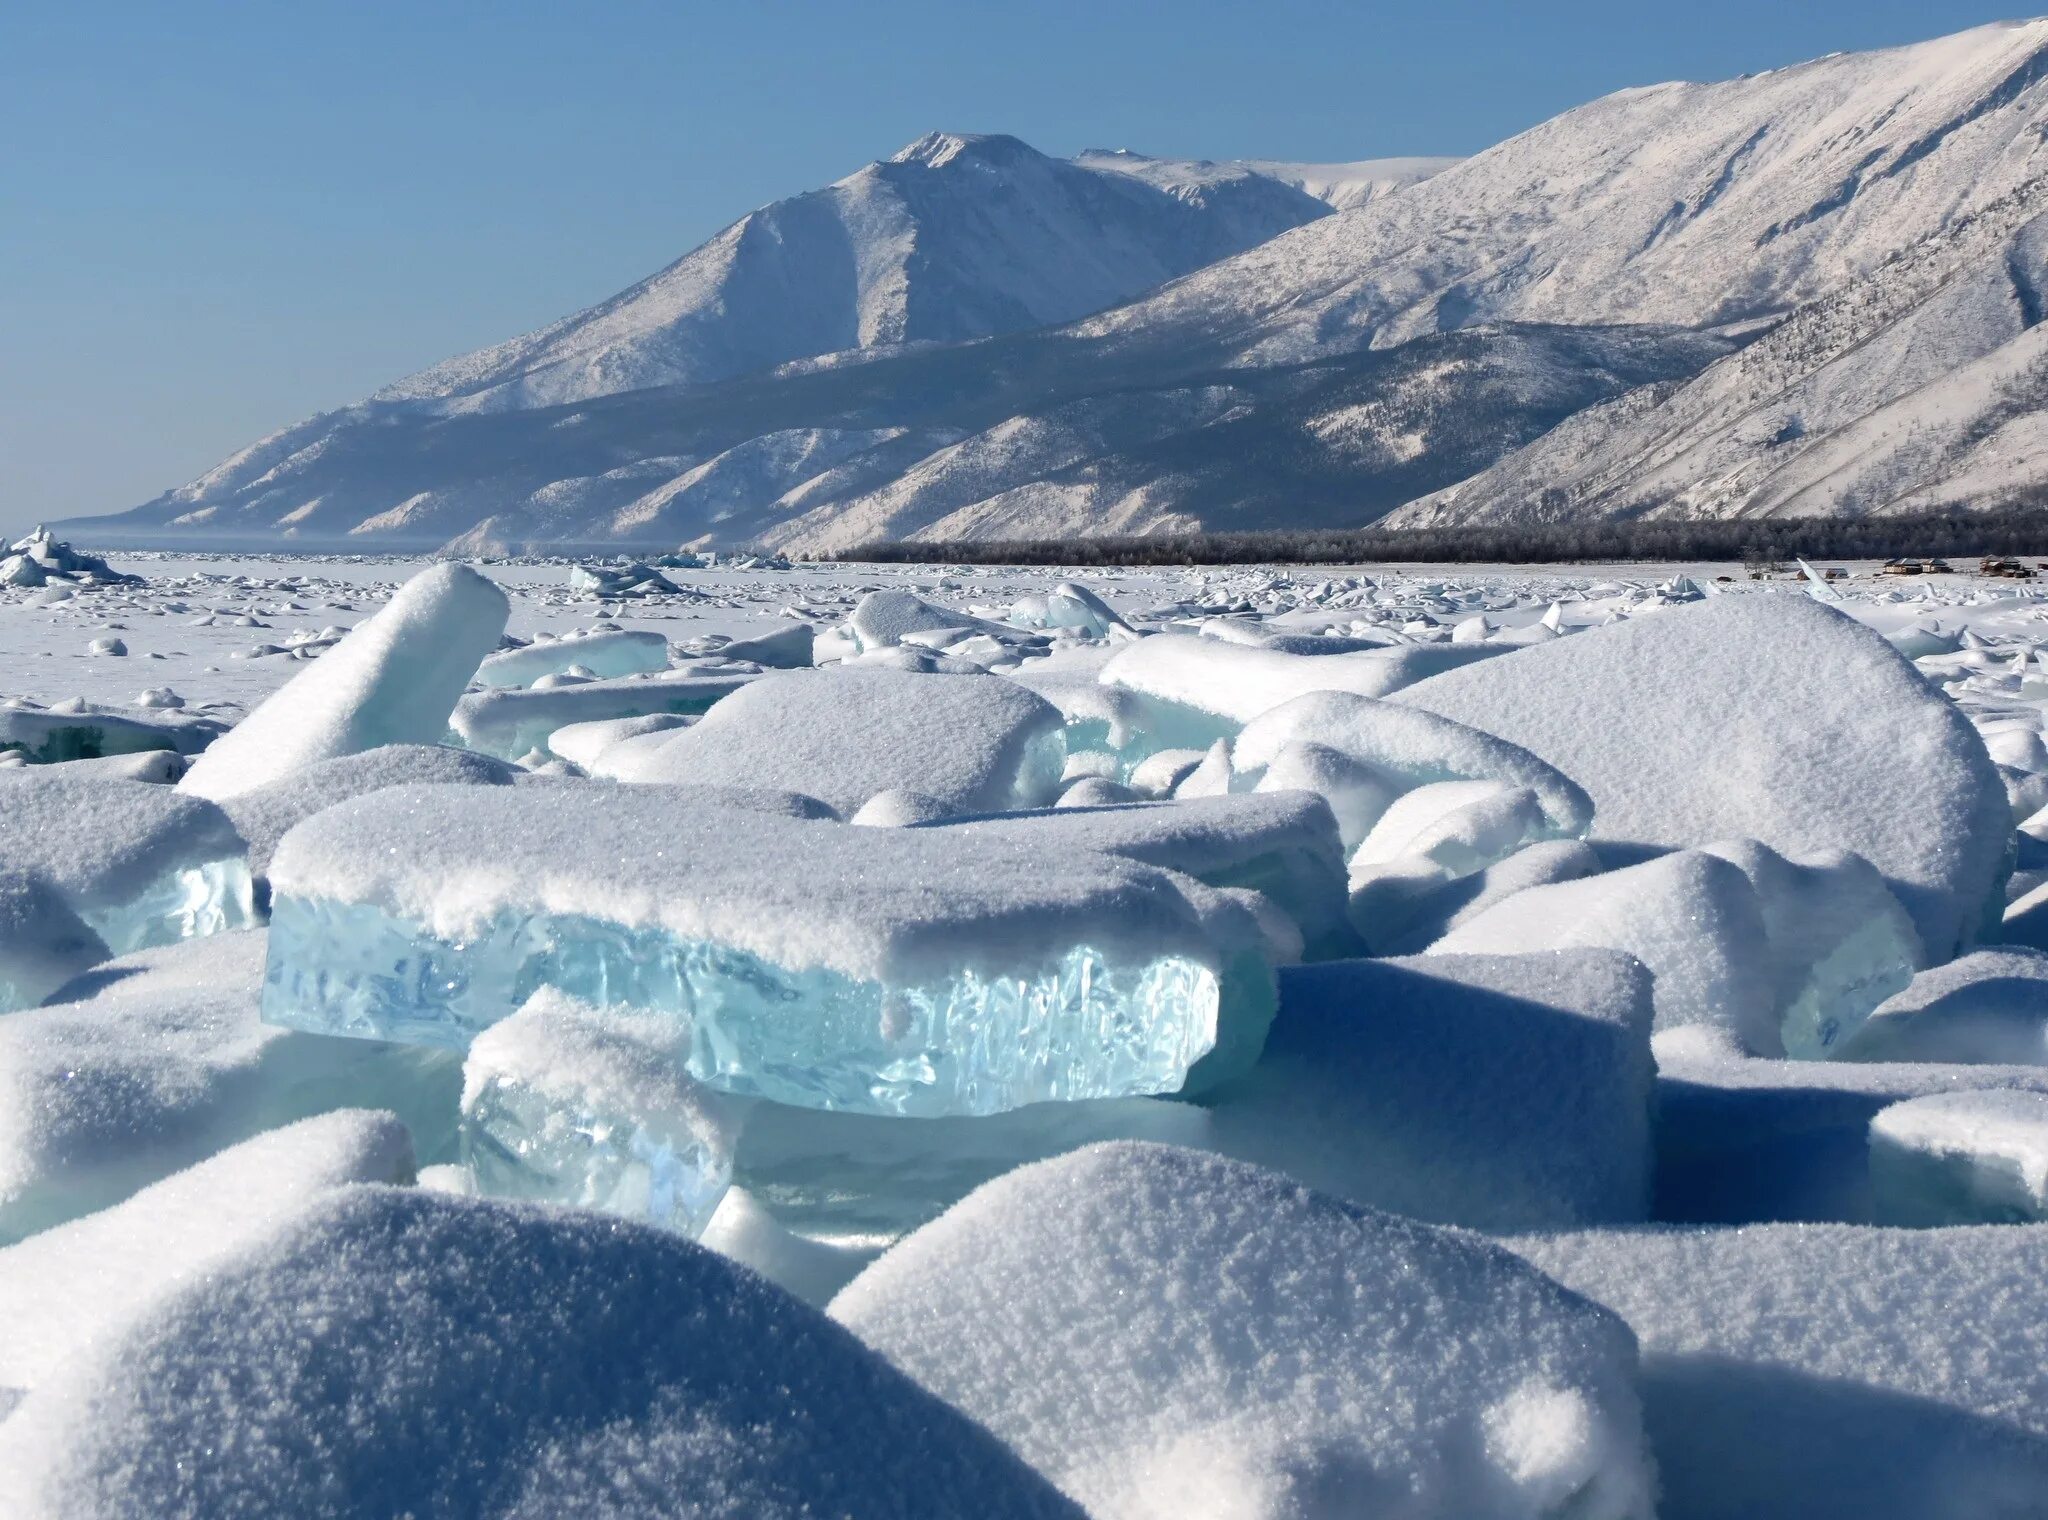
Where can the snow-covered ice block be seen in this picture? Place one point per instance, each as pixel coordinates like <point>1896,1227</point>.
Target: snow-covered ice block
<point>1760,716</point>
<point>1497,1092</point>
<point>1988,1007</point>
<point>158,1060</point>
<point>84,731</point>
<point>1356,793</point>
<point>43,942</point>
<point>1692,918</point>
<point>1961,1158</point>
<point>884,619</point>
<point>1281,844</point>
<point>880,970</point>
<point>265,814</point>
<point>1837,942</point>
<point>1742,1139</point>
<point>1434,910</point>
<point>79,1281</point>
<point>1409,747</point>
<point>602,653</point>
<point>789,647</point>
<point>1200,690</point>
<point>136,865</point>
<point>974,743</point>
<point>393,680</point>
<point>581,743</point>
<point>391,1351</point>
<point>156,767</point>
<point>1162,1332</point>
<point>1795,1371</point>
<point>568,1103</point>
<point>865,1180</point>
<point>512,724</point>
<point>1100,719</point>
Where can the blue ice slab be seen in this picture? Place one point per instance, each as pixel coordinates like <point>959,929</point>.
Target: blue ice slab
<point>1088,1027</point>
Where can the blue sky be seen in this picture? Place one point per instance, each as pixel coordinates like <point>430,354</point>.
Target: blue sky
<point>218,218</point>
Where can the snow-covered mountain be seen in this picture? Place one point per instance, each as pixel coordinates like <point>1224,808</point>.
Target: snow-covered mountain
<point>955,237</point>
<point>1813,289</point>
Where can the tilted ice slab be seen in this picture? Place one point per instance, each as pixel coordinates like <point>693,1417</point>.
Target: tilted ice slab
<point>512,724</point>
<point>158,1060</point>
<point>568,1103</point>
<point>820,964</point>
<point>1961,1158</point>
<point>81,1280</point>
<point>1795,1371</point>
<point>1764,716</point>
<point>131,865</point>
<point>393,680</point>
<point>971,743</point>
<point>600,652</point>
<point>1165,1333</point>
<point>1503,1092</point>
<point>394,1352</point>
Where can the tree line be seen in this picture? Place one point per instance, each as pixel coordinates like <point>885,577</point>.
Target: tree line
<point>1946,533</point>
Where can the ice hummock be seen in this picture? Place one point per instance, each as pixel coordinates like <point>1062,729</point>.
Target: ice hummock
<point>568,1103</point>
<point>824,965</point>
<point>1961,1158</point>
<point>392,680</point>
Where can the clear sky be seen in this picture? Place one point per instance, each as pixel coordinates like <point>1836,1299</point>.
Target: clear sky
<point>218,218</point>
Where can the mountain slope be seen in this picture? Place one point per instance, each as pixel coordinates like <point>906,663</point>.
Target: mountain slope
<point>1914,386</point>
<point>1813,289</point>
<point>955,237</point>
<point>1694,204</point>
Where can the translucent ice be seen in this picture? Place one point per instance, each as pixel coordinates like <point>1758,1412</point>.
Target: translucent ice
<point>569,1103</point>
<point>393,680</point>
<point>904,971</point>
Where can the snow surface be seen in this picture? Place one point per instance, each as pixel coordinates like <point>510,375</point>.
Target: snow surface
<point>1799,1370</point>
<point>1498,1092</point>
<point>1156,1329</point>
<point>77,1283</point>
<point>457,1356</point>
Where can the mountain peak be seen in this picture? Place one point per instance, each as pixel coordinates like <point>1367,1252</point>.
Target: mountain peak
<point>937,149</point>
